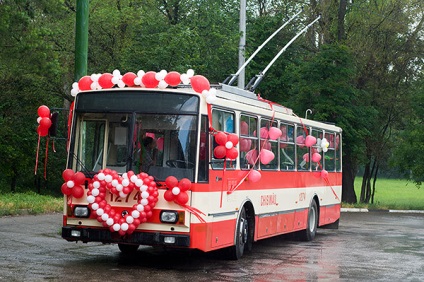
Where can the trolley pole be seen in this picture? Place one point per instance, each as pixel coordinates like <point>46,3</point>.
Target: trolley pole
<point>242,45</point>
<point>81,39</point>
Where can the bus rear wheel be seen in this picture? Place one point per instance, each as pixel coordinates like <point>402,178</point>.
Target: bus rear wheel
<point>312,223</point>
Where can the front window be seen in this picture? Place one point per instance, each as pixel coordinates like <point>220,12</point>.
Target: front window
<point>161,144</point>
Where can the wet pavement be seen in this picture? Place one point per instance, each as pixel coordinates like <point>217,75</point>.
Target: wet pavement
<point>368,246</point>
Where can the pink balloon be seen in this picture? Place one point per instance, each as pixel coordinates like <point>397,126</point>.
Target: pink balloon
<point>300,140</point>
<point>252,156</point>
<point>306,157</point>
<point>254,176</point>
<point>105,80</point>
<point>324,173</point>
<point>274,133</point>
<point>200,83</point>
<point>310,141</point>
<point>159,143</point>
<point>264,132</point>
<point>265,144</point>
<point>244,128</point>
<point>316,157</point>
<point>266,156</point>
<point>245,144</point>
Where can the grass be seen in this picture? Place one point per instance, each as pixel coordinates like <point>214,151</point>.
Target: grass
<point>390,194</point>
<point>397,194</point>
<point>29,203</point>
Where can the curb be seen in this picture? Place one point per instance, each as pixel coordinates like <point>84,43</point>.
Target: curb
<point>391,211</point>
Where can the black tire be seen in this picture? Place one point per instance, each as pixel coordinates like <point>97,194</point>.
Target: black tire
<point>243,240</point>
<point>128,249</point>
<point>312,223</point>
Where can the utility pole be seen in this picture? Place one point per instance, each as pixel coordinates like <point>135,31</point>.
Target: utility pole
<point>81,39</point>
<point>242,45</point>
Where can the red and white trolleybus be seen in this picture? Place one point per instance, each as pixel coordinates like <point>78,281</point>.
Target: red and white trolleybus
<point>194,166</point>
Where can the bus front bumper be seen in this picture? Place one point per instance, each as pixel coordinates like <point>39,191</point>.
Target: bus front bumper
<point>85,235</point>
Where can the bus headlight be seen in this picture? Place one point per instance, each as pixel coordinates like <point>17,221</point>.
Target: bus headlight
<point>81,211</point>
<point>169,216</point>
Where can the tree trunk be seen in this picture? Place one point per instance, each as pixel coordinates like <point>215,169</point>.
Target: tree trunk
<point>340,20</point>
<point>349,174</point>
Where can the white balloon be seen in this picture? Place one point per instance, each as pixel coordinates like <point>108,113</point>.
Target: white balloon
<point>190,73</point>
<point>75,85</point>
<point>125,175</point>
<point>129,219</point>
<point>136,214</point>
<point>116,227</point>
<point>91,199</point>
<point>109,221</point>
<point>105,217</point>
<point>100,212</point>
<point>122,194</point>
<point>325,149</point>
<point>108,178</point>
<point>101,176</point>
<point>70,184</point>
<point>115,80</point>
<point>211,99</point>
<point>95,192</point>
<point>162,84</point>
<point>124,226</point>
<point>125,182</point>
<point>134,178</point>
<point>140,207</point>
<point>121,84</point>
<point>205,93</point>
<point>229,145</point>
<point>138,182</point>
<point>38,119</point>
<point>94,206</point>
<point>144,202</point>
<point>137,80</point>
<point>115,183</point>
<point>176,191</point>
<point>143,188</point>
<point>116,73</point>
<point>74,92</point>
<point>184,78</point>
<point>119,187</point>
<point>212,91</point>
<point>145,194</point>
<point>140,73</point>
<point>96,184</point>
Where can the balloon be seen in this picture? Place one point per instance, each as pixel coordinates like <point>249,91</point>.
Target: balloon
<point>220,152</point>
<point>78,178</point>
<point>42,131</point>
<point>306,157</point>
<point>254,176</point>
<point>171,181</point>
<point>43,111</point>
<point>45,122</point>
<point>221,138</point>
<point>274,133</point>
<point>232,153</point>
<point>182,198</point>
<point>200,83</point>
<point>67,174</point>
<point>310,141</point>
<point>159,143</point>
<point>244,128</point>
<point>233,138</point>
<point>176,191</point>
<point>265,144</point>
<point>252,156</point>
<point>128,78</point>
<point>173,78</point>
<point>300,140</point>
<point>266,156</point>
<point>66,190</point>
<point>185,184</point>
<point>245,144</point>
<point>229,145</point>
<point>85,83</point>
<point>264,132</point>
<point>168,195</point>
<point>324,173</point>
<point>77,192</point>
<point>316,157</point>
<point>149,79</point>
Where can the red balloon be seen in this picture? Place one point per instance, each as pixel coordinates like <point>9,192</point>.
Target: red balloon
<point>221,138</point>
<point>171,181</point>
<point>78,178</point>
<point>169,196</point>
<point>200,83</point>
<point>128,78</point>
<point>42,131</point>
<point>45,122</point>
<point>43,111</point>
<point>233,138</point>
<point>67,174</point>
<point>105,80</point>
<point>77,192</point>
<point>65,190</point>
<point>182,198</point>
<point>85,83</point>
<point>220,152</point>
<point>232,153</point>
<point>173,78</point>
<point>185,184</point>
<point>149,80</point>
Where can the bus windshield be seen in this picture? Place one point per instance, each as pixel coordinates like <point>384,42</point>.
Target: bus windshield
<point>160,144</point>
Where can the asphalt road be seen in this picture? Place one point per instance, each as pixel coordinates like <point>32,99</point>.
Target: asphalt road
<point>367,246</point>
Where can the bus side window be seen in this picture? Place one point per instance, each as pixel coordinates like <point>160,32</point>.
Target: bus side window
<point>222,121</point>
<point>329,156</point>
<point>302,151</point>
<point>248,141</point>
<point>269,144</point>
<point>286,147</point>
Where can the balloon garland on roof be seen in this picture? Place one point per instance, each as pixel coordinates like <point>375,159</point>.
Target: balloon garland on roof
<point>150,79</point>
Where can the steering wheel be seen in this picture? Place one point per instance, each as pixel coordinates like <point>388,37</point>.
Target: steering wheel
<point>179,164</point>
